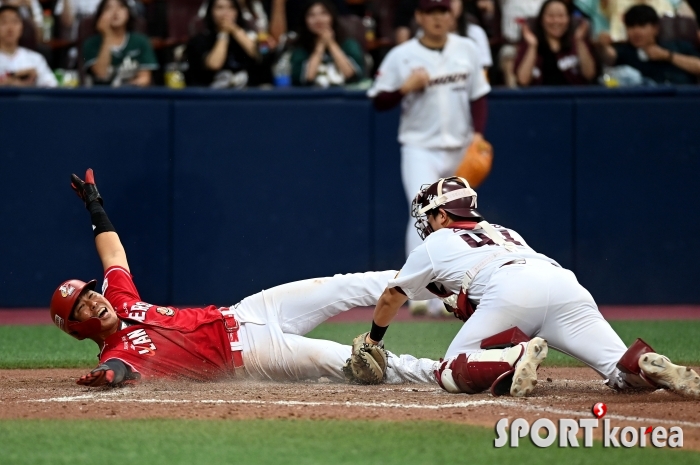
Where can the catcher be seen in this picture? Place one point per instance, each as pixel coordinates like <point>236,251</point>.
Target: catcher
<point>514,301</point>
<point>439,82</point>
<point>262,336</point>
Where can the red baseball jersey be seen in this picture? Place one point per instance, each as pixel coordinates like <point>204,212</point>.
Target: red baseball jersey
<point>189,343</point>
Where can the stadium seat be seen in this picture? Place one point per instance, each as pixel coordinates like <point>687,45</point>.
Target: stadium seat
<point>352,25</point>
<point>385,11</point>
<point>183,19</point>
<point>678,28</point>
<point>28,39</point>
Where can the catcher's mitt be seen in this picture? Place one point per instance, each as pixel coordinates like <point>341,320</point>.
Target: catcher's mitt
<point>368,362</point>
<point>477,161</point>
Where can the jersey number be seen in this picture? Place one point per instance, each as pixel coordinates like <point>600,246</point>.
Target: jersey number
<point>480,239</point>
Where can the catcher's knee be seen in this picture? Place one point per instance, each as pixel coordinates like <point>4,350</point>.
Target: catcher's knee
<point>488,369</point>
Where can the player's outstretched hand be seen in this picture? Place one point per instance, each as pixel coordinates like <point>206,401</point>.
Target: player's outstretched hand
<point>86,190</point>
<point>100,376</point>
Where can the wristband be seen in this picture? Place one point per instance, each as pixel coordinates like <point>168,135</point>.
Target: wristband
<point>222,35</point>
<point>100,221</point>
<point>377,332</point>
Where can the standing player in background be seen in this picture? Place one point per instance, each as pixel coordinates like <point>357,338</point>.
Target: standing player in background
<point>514,302</point>
<point>261,336</point>
<point>439,82</point>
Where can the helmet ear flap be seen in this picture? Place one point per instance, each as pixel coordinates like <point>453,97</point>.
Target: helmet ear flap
<point>87,328</point>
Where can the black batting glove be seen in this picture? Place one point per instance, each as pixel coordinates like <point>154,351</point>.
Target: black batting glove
<point>86,190</point>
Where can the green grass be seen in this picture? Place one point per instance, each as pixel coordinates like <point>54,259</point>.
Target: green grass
<point>47,347</point>
<point>43,347</point>
<point>298,442</point>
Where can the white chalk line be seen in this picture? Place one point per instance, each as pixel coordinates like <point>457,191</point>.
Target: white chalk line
<point>109,398</point>
<point>286,403</point>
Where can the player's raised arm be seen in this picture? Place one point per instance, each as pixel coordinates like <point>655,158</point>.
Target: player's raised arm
<point>109,247</point>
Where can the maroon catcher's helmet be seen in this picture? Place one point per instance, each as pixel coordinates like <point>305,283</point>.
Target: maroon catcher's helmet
<point>453,194</point>
<point>62,303</point>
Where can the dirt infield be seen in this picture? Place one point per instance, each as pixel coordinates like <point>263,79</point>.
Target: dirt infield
<point>562,393</point>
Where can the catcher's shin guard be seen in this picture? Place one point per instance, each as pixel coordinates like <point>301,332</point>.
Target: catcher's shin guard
<point>629,362</point>
<point>631,372</point>
<point>511,370</point>
<point>463,375</point>
<point>642,367</point>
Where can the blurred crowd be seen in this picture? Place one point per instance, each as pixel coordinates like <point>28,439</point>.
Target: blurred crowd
<point>322,43</point>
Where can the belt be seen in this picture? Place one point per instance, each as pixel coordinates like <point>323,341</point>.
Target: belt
<point>231,326</point>
<point>517,261</point>
<point>522,261</point>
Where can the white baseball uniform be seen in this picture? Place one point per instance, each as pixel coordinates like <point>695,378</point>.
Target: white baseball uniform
<point>436,124</point>
<point>274,322</point>
<point>534,293</point>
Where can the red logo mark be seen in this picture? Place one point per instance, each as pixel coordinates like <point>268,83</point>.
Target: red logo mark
<point>143,350</point>
<point>648,430</point>
<point>599,410</point>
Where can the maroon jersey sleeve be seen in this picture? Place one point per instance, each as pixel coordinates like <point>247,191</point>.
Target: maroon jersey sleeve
<point>119,289</point>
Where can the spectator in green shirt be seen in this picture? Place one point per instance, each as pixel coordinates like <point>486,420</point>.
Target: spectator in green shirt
<point>323,56</point>
<point>118,56</point>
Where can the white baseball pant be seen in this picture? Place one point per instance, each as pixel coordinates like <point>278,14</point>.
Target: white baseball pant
<point>546,301</point>
<point>424,166</point>
<point>274,322</point>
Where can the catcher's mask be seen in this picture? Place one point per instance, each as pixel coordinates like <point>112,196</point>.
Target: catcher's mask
<point>452,194</point>
<point>62,304</point>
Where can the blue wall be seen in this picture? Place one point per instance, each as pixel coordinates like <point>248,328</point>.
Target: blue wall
<point>219,195</point>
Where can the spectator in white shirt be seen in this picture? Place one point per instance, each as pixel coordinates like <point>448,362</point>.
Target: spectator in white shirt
<point>19,66</point>
<point>29,10</point>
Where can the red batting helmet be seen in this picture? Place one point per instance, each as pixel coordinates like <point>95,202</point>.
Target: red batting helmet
<point>454,195</point>
<point>62,303</point>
